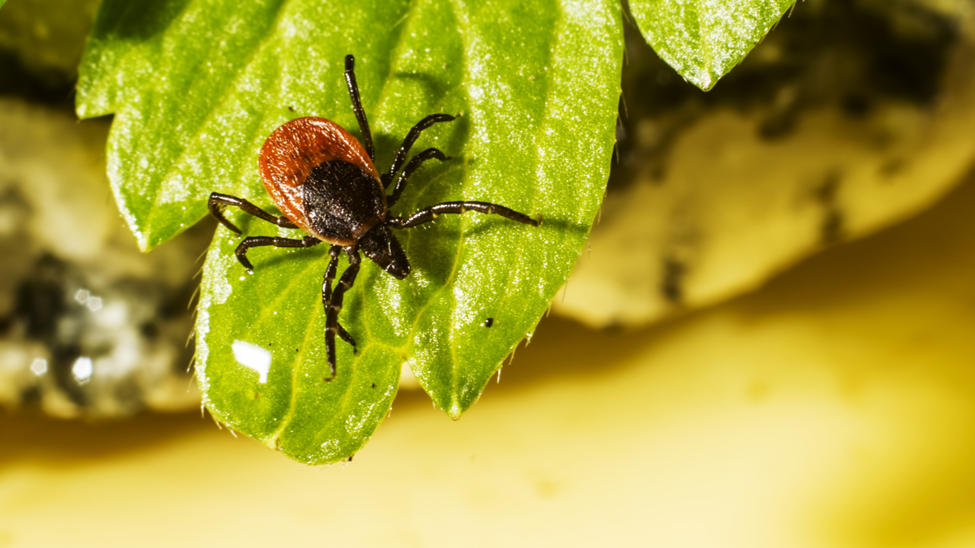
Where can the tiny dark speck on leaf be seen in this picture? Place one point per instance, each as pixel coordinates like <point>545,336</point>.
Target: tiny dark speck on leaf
<point>489,322</point>
<point>292,109</point>
<point>373,385</point>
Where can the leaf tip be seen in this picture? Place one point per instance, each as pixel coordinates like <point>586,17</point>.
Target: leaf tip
<point>455,412</point>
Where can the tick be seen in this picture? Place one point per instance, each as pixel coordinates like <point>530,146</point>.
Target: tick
<point>325,182</point>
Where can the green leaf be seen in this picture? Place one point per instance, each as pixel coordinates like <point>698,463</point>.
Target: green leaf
<point>198,86</point>
<point>704,39</point>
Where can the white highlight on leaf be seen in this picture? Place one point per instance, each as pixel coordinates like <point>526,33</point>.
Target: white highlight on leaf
<point>253,357</point>
<point>202,346</point>
<point>220,284</point>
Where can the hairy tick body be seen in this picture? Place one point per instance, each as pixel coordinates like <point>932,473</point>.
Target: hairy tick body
<point>325,183</point>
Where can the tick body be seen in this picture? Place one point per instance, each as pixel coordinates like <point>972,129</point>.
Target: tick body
<point>325,182</point>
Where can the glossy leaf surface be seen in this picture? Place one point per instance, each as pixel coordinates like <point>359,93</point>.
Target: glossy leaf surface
<point>704,39</point>
<point>197,86</point>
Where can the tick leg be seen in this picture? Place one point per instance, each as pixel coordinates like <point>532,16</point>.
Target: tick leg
<point>217,200</point>
<point>360,114</point>
<point>411,138</point>
<point>327,293</point>
<point>335,302</point>
<point>428,214</point>
<point>258,241</point>
<point>346,337</point>
<point>410,168</point>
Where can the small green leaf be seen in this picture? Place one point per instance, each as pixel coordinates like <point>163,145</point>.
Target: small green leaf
<point>704,39</point>
<point>198,86</point>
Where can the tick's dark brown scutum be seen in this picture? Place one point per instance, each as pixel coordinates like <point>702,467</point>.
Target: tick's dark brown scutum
<point>325,182</point>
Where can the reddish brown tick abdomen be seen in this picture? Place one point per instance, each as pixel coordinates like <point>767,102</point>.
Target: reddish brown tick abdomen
<point>297,147</point>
